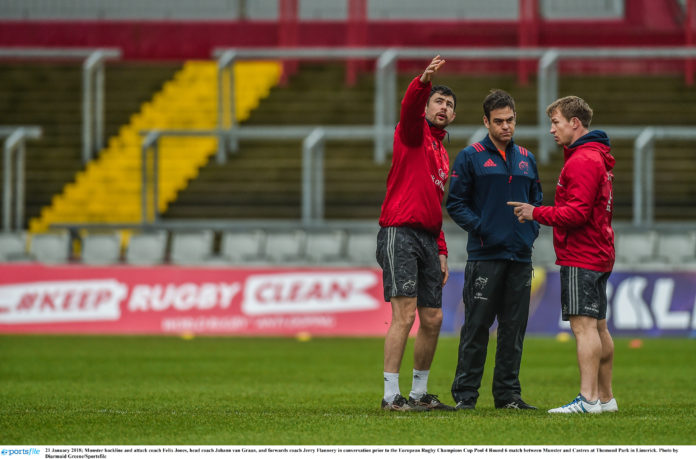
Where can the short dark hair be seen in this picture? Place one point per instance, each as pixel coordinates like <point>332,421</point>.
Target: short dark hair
<point>572,107</point>
<point>497,98</point>
<point>445,91</point>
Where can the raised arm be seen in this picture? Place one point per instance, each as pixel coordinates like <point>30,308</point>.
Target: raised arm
<point>413,104</point>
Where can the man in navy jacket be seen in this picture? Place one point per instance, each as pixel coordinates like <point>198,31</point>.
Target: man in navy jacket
<point>498,276</point>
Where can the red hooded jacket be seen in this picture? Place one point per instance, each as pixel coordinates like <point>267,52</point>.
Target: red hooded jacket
<point>583,208</point>
<point>419,170</point>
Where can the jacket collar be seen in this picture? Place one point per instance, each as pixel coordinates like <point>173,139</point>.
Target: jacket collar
<point>437,132</point>
<point>488,143</point>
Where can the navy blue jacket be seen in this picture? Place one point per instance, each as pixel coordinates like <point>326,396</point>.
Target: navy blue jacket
<point>481,184</point>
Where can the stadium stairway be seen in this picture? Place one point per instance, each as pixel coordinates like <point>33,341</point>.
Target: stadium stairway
<point>109,189</point>
<point>49,95</point>
<point>263,179</point>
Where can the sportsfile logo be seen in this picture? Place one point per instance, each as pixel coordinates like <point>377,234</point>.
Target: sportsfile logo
<point>20,451</point>
<point>61,301</point>
<point>309,293</point>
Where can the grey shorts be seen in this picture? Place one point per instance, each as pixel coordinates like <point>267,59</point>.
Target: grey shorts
<point>410,265</point>
<point>583,293</point>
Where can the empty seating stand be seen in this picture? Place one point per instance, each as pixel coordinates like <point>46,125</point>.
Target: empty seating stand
<point>147,248</point>
<point>677,249</point>
<point>284,247</point>
<point>635,248</point>
<point>670,249</point>
<point>50,248</point>
<point>325,247</point>
<point>192,248</point>
<point>245,247</point>
<point>362,248</point>
<point>101,248</point>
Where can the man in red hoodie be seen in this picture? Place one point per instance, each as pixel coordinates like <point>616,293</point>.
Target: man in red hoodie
<point>411,246</point>
<point>584,243</point>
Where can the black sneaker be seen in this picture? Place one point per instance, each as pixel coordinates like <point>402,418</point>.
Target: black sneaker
<point>468,404</point>
<point>430,402</point>
<point>401,404</point>
<point>516,404</point>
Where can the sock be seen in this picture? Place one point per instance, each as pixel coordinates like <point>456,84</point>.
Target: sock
<point>391,386</point>
<point>420,384</point>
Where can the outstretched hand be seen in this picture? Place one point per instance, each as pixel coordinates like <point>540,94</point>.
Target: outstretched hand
<point>522,210</point>
<point>432,69</point>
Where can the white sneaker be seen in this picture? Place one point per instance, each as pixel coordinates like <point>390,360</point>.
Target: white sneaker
<point>610,406</point>
<point>579,405</point>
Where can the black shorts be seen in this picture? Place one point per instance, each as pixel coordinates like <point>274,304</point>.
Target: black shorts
<point>583,293</point>
<point>410,265</point>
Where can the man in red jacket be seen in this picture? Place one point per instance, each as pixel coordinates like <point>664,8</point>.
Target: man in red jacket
<point>584,243</point>
<point>411,246</point>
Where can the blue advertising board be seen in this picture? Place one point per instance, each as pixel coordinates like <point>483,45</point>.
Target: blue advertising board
<point>651,303</point>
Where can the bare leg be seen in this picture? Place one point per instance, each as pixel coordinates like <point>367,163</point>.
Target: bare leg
<point>426,338</point>
<point>589,350</point>
<point>403,316</point>
<point>606,362</point>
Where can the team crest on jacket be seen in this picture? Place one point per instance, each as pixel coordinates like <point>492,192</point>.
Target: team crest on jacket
<point>524,167</point>
<point>435,146</point>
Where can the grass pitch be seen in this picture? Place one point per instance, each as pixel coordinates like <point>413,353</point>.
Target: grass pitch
<point>89,390</point>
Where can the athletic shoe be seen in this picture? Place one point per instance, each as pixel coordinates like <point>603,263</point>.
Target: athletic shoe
<point>579,405</point>
<point>609,406</point>
<point>430,402</point>
<point>517,404</point>
<point>468,404</point>
<point>401,404</point>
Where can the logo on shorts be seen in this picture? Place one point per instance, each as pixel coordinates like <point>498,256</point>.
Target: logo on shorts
<point>409,287</point>
<point>480,283</point>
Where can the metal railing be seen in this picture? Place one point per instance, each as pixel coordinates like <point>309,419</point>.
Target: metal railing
<point>14,152</point>
<point>313,151</point>
<point>385,98</point>
<point>312,137</point>
<point>644,169</point>
<point>92,87</point>
<point>547,81</point>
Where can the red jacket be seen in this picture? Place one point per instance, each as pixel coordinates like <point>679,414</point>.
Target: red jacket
<point>419,170</point>
<point>583,207</point>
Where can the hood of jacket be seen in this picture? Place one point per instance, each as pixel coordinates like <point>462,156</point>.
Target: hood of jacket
<point>596,140</point>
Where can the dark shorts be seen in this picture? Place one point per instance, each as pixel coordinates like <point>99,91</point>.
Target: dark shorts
<point>410,265</point>
<point>583,293</point>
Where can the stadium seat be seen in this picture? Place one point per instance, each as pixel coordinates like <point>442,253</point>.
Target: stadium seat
<point>13,247</point>
<point>325,247</point>
<point>101,248</point>
<point>543,253</point>
<point>146,248</point>
<point>456,248</point>
<point>284,247</point>
<point>361,248</point>
<point>241,247</point>
<point>677,248</point>
<point>50,248</point>
<point>633,248</point>
<point>191,248</point>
